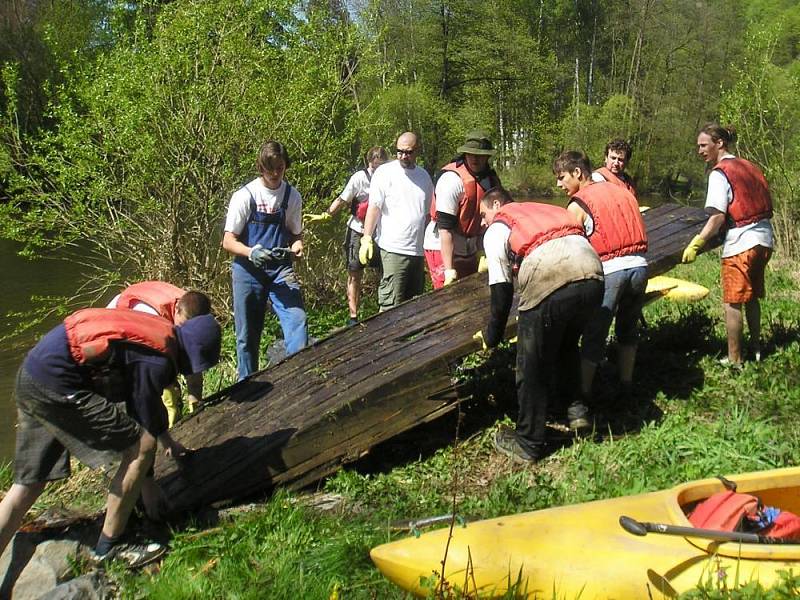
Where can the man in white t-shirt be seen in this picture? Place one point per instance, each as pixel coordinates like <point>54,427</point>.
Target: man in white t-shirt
<point>399,201</point>
<point>738,202</point>
<point>453,234</point>
<point>265,215</point>
<point>355,196</point>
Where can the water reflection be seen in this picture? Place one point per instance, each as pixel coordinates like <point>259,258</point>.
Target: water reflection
<point>20,279</point>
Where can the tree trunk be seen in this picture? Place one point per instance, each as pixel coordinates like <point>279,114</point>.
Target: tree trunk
<point>327,405</point>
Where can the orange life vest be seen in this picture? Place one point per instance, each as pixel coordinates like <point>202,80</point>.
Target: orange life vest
<point>532,224</point>
<point>91,331</point>
<point>623,182</point>
<point>469,214</point>
<point>724,510</point>
<point>160,295</point>
<point>618,226</point>
<point>751,199</point>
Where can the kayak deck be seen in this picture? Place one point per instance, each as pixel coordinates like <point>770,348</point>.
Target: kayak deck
<point>581,550</point>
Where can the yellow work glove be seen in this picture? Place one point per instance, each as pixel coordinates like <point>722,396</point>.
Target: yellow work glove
<point>690,253</point>
<point>366,249</point>
<point>450,275</point>
<point>478,337</point>
<point>483,264</point>
<point>312,218</point>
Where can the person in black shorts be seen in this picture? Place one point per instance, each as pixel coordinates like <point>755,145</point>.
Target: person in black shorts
<point>69,393</point>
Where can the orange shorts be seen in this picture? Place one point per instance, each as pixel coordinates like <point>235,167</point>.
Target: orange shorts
<point>743,275</point>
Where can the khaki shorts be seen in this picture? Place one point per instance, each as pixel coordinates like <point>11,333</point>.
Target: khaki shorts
<point>51,426</point>
<point>743,275</point>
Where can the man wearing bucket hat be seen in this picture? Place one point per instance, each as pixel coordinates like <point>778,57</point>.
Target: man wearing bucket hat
<point>453,234</point>
<point>68,393</point>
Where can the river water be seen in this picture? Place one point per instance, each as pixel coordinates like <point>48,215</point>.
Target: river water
<point>20,279</point>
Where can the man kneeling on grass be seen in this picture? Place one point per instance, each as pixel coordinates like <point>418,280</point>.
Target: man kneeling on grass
<point>69,392</point>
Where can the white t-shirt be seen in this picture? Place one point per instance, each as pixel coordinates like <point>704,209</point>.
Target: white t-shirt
<point>404,199</point>
<point>357,188</point>
<point>138,306</point>
<point>620,263</point>
<point>737,239</point>
<point>267,200</point>
<point>597,177</point>
<point>449,190</point>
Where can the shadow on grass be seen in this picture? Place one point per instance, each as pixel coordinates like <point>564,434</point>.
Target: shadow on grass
<point>667,363</point>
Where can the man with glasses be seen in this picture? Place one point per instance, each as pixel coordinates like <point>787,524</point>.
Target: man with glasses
<point>399,201</point>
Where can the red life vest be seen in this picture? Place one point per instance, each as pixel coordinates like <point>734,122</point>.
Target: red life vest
<point>724,510</point>
<point>91,331</point>
<point>469,214</point>
<point>358,208</point>
<point>624,182</point>
<point>618,226</point>
<point>160,295</point>
<point>532,224</point>
<point>786,526</point>
<point>751,200</point>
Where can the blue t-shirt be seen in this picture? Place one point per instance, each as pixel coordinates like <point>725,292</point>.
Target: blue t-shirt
<point>145,372</point>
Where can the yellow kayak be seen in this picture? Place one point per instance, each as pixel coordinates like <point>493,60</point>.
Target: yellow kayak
<point>671,288</point>
<point>581,551</point>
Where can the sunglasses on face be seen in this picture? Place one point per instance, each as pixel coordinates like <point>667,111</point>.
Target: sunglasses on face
<point>404,152</point>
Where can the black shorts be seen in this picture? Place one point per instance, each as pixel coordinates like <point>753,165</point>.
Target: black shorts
<point>352,243</point>
<point>50,426</point>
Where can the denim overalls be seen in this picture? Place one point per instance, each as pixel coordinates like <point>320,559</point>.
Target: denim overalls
<point>253,286</point>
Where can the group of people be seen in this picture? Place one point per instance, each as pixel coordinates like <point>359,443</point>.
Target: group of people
<point>92,387</point>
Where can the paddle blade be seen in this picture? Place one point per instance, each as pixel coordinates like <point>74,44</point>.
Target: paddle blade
<point>632,526</point>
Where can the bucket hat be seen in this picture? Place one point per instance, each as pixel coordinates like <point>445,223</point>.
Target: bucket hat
<point>477,142</point>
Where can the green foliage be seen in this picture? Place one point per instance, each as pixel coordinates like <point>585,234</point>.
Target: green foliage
<point>156,134</point>
<point>764,107</point>
<point>712,589</point>
<point>283,550</point>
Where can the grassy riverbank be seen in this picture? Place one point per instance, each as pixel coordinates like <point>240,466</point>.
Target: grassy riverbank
<point>701,419</point>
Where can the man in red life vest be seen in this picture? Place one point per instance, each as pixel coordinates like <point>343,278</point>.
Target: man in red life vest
<point>560,282</point>
<point>453,233</point>
<point>67,392</point>
<point>609,214</point>
<point>356,196</point>
<point>738,203</point>
<point>177,306</point>
<point>618,153</point>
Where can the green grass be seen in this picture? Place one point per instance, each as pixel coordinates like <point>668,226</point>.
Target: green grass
<point>708,421</point>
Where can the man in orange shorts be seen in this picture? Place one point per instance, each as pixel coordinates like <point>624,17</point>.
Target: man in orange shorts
<point>739,202</point>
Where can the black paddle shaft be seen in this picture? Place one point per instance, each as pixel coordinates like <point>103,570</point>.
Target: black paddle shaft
<point>642,528</point>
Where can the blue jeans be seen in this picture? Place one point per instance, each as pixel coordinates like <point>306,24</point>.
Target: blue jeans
<point>250,295</point>
<point>623,298</point>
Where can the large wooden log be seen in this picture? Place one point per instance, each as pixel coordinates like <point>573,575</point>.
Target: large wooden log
<point>299,420</point>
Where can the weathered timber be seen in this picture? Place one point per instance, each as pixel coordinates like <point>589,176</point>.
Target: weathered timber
<point>299,420</point>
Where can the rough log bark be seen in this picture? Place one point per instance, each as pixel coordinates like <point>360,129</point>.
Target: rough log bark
<point>299,420</point>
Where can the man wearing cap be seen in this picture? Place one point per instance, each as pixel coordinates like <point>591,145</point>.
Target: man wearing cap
<point>178,306</point>
<point>67,392</point>
<point>453,234</point>
<point>399,200</point>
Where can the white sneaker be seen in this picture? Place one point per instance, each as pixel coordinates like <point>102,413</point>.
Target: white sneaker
<point>134,556</point>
